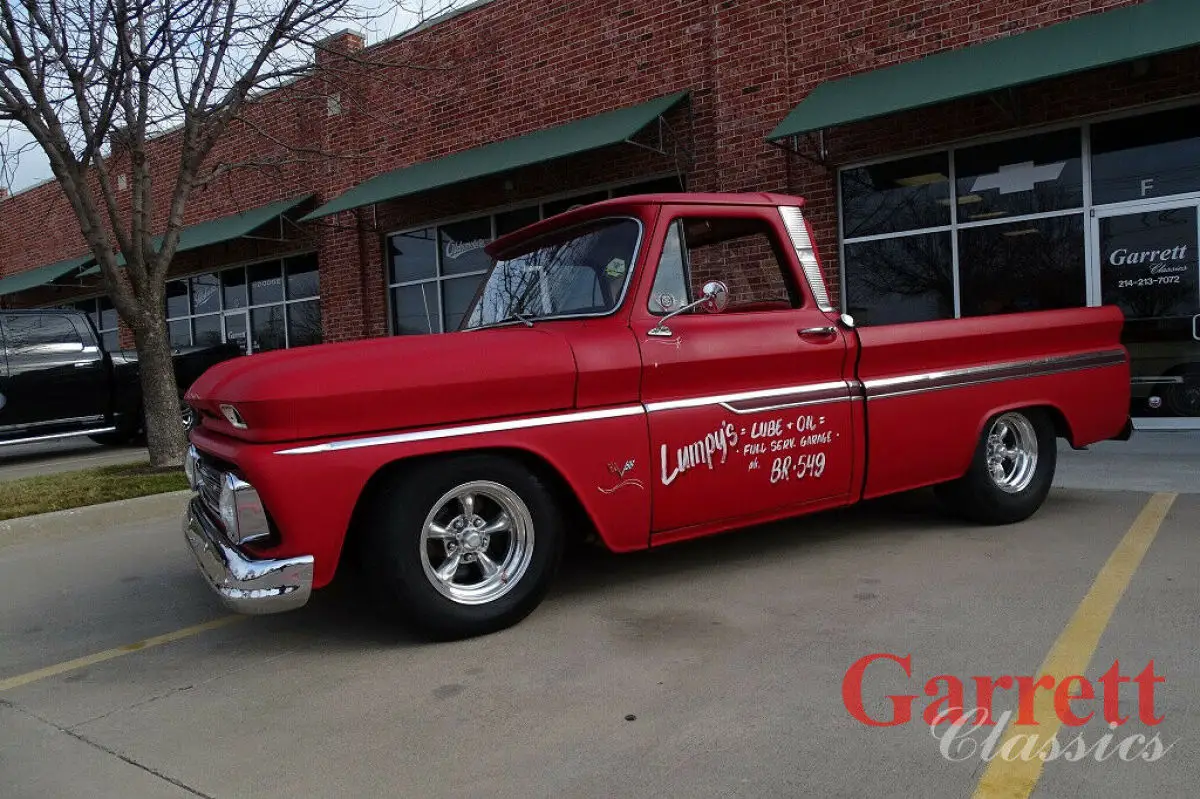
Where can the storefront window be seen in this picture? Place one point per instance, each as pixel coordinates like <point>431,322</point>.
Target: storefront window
<point>104,317</point>
<point>903,279</point>
<point>1034,265</point>
<point>435,272</point>
<point>462,246</point>
<point>265,306</point>
<point>1030,175</point>
<point>1146,157</point>
<point>1010,228</point>
<point>1148,263</point>
<point>895,196</point>
<point>413,256</point>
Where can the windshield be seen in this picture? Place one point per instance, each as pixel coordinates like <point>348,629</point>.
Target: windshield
<point>577,272</point>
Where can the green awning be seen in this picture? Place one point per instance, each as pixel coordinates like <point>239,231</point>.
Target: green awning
<point>1089,42</point>
<point>538,147</point>
<point>41,275</point>
<point>225,228</point>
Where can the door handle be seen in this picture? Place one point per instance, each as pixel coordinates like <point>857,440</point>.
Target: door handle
<point>84,364</point>
<point>818,331</point>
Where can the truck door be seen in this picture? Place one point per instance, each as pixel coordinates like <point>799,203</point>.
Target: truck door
<point>749,408</point>
<point>54,376</point>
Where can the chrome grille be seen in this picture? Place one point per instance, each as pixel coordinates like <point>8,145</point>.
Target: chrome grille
<point>210,487</point>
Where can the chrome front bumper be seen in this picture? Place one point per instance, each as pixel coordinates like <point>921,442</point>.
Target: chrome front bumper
<point>244,585</point>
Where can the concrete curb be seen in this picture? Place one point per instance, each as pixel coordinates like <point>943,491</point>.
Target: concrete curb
<point>122,511</point>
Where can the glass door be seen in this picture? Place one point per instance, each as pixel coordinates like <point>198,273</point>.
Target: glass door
<point>1147,265</point>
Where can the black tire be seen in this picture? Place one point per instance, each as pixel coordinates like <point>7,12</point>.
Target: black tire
<point>125,435</point>
<point>1183,399</point>
<point>980,498</point>
<point>391,544</point>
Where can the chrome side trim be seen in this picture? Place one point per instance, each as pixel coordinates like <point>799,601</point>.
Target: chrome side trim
<point>793,221</point>
<point>96,418</point>
<point>770,399</point>
<point>785,395</point>
<point>53,436</point>
<point>808,395</point>
<point>974,375</point>
<point>466,430</point>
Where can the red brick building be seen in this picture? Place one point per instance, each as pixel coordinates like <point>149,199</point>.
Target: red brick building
<point>958,158</point>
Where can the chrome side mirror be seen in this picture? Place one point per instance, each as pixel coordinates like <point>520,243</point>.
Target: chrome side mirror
<point>714,300</point>
<point>716,296</point>
<point>848,320</point>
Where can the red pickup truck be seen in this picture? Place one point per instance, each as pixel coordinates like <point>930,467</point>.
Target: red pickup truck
<point>638,371</point>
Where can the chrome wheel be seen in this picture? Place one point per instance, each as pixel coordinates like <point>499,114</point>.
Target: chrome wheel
<point>477,542</point>
<point>1012,452</point>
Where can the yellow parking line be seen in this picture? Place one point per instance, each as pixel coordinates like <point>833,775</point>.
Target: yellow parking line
<point>109,654</point>
<point>1015,778</point>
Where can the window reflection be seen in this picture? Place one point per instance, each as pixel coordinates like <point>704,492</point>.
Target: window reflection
<point>1031,175</point>
<point>1148,263</point>
<point>1033,265</point>
<point>1146,156</point>
<point>266,305</point>
<point>304,323</point>
<point>266,325</point>
<point>582,270</point>
<point>266,283</point>
<point>434,272</point>
<point>302,279</point>
<point>206,330</point>
<point>462,246</point>
<point>415,310</point>
<point>895,196</point>
<point>412,255</point>
<point>177,298</point>
<point>906,279</point>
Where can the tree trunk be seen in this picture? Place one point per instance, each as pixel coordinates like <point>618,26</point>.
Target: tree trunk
<point>165,436</point>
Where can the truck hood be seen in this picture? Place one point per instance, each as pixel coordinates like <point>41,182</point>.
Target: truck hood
<point>376,385</point>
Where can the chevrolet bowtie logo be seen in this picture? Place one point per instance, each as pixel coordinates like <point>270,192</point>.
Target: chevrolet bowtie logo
<point>1018,177</point>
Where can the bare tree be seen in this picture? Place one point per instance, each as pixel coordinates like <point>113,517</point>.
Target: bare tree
<point>95,81</point>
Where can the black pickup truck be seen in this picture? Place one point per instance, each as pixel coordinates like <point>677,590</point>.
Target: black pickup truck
<point>58,381</point>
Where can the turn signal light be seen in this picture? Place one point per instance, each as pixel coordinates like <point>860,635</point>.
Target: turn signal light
<point>232,415</point>
<point>242,513</point>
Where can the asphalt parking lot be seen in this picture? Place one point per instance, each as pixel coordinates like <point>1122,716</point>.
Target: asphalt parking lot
<point>712,668</point>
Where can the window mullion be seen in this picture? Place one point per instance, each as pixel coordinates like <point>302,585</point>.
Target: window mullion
<point>955,280</point>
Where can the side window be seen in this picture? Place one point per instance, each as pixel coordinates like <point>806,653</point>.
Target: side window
<point>742,253</point>
<point>670,288</point>
<point>30,335</point>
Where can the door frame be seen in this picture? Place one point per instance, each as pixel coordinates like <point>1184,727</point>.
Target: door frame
<point>1093,273</point>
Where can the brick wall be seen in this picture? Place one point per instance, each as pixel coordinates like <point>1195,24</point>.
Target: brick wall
<point>514,66</point>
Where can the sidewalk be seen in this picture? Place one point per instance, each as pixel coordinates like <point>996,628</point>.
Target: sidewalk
<point>1152,460</point>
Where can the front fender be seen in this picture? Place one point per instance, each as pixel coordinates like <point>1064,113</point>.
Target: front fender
<point>312,491</point>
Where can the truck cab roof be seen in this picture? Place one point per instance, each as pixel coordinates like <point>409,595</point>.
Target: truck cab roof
<point>602,208</point>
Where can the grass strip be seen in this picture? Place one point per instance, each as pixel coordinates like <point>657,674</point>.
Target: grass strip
<point>45,493</point>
